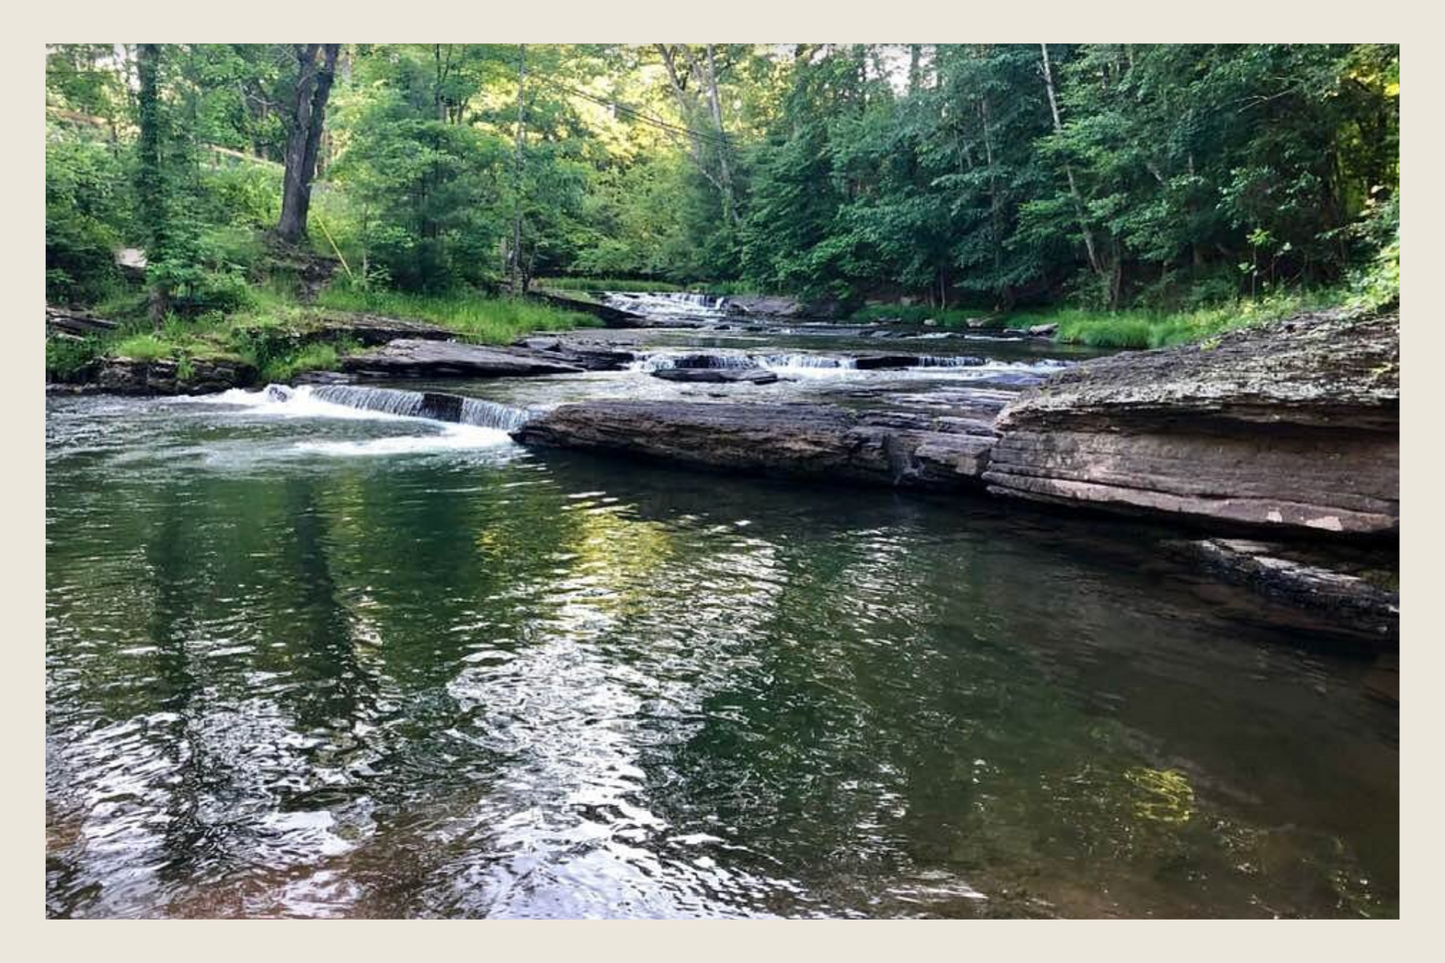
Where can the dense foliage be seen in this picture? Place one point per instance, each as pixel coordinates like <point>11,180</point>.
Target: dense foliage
<point>982,176</point>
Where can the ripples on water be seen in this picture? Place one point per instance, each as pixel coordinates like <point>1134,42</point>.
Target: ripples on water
<point>331,665</point>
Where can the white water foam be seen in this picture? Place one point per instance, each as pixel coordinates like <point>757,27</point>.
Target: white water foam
<point>280,401</point>
<point>451,438</point>
<point>308,402</point>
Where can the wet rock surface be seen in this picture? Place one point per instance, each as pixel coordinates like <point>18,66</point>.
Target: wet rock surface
<point>757,376</point>
<point>1342,593</point>
<point>816,441</point>
<point>591,355</point>
<point>1293,426</point>
<point>764,306</point>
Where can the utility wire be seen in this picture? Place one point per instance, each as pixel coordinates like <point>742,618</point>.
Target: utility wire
<point>636,114</point>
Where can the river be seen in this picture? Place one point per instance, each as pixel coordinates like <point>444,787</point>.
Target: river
<point>305,659</point>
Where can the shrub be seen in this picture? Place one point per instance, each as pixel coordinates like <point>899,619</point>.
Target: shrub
<point>316,356</point>
<point>66,357</point>
<point>85,210</point>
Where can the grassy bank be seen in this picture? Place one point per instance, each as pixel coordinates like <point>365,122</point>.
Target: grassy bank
<point>476,319</point>
<point>1135,328</point>
<point>1160,329</point>
<point>279,337</point>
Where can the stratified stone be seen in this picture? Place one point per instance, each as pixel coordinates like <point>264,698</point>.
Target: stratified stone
<point>410,358</point>
<point>815,441</point>
<point>1294,425</point>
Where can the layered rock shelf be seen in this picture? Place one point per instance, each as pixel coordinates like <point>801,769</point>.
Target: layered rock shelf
<point>1291,426</point>
<point>799,440</point>
<point>416,358</point>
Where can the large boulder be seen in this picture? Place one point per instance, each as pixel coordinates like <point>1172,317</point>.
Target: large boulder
<point>416,358</point>
<point>814,441</point>
<point>1291,426</point>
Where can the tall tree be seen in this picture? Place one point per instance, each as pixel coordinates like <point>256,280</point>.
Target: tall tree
<point>152,189</point>
<point>303,136</point>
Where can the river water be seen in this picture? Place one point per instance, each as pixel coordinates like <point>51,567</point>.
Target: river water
<point>308,660</point>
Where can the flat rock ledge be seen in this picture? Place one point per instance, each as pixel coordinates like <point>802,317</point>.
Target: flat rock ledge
<point>795,440</point>
<point>1290,426</point>
<point>417,358</point>
<point>756,376</point>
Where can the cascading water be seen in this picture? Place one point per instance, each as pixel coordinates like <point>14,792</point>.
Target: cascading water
<point>404,404</point>
<point>948,361</point>
<point>659,362</point>
<point>435,406</point>
<point>779,362</point>
<point>490,414</point>
<point>672,304</point>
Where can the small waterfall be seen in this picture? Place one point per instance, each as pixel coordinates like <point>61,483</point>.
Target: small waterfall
<point>658,362</point>
<point>490,414</point>
<point>406,404</point>
<point>774,362</point>
<point>432,405</point>
<point>948,361</point>
<point>673,304</point>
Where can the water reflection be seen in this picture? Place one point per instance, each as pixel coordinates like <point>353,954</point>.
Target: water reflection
<point>480,682</point>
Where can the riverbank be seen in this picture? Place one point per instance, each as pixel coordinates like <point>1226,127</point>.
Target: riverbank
<point>278,338</point>
<point>1282,430</point>
<point>1122,329</point>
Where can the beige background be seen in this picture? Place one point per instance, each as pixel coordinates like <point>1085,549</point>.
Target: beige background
<point>29,936</point>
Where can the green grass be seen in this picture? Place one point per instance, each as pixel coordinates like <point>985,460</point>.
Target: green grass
<point>1160,329</point>
<point>316,356</point>
<point>273,333</point>
<point>479,319</point>
<point>1133,328</point>
<point>143,347</point>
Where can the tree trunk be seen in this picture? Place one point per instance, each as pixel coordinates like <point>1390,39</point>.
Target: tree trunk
<point>303,136</point>
<point>1094,264</point>
<point>724,170</point>
<point>518,283</point>
<point>150,177</point>
<point>688,109</point>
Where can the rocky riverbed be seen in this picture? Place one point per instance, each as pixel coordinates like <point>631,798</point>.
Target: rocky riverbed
<point>1285,431</point>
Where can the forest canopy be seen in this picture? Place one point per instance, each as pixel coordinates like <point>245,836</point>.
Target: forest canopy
<point>1105,175</point>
